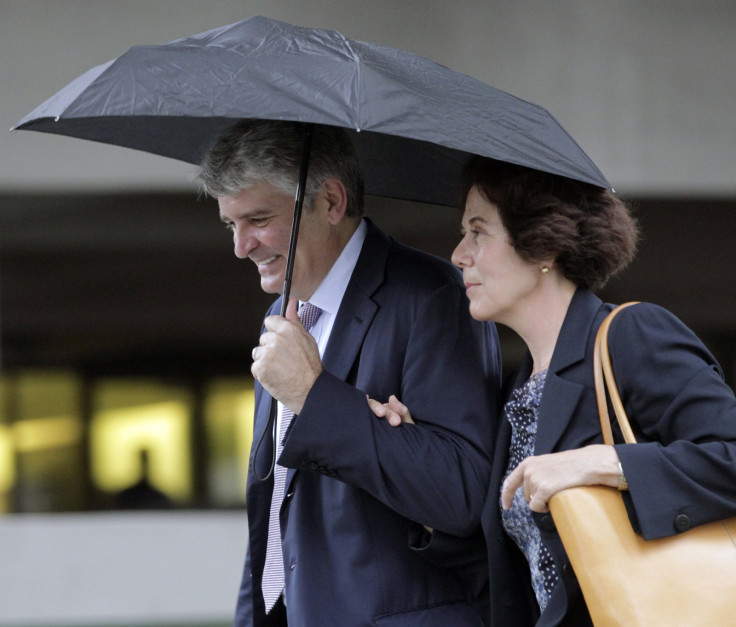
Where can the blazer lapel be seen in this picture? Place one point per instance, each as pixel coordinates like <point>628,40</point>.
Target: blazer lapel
<point>265,406</point>
<point>559,400</point>
<point>561,396</point>
<point>358,308</point>
<point>356,312</point>
<point>263,456</point>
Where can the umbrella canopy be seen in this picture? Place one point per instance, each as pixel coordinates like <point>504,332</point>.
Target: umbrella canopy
<point>414,122</point>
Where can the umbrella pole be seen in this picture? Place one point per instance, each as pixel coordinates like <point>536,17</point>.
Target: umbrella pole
<point>298,202</point>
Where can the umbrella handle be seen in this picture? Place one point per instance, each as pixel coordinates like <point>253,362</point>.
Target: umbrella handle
<point>298,202</point>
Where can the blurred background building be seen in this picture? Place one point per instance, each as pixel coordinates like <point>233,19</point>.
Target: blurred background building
<point>126,323</point>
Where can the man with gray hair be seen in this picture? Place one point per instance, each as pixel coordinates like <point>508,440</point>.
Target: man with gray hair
<point>329,531</point>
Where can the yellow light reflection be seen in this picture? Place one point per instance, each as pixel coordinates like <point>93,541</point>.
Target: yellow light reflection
<point>229,419</point>
<point>35,434</point>
<point>7,468</point>
<point>117,436</point>
<point>244,408</point>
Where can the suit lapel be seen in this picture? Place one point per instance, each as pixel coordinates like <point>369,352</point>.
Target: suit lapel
<point>356,312</point>
<point>263,456</point>
<point>558,405</point>
<point>357,308</point>
<point>561,396</point>
<point>265,405</point>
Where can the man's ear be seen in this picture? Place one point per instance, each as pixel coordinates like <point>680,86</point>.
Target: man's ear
<point>334,193</point>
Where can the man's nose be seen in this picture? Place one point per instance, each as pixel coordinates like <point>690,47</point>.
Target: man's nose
<point>243,242</point>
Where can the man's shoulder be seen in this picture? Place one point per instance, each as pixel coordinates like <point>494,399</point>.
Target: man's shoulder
<point>387,262</point>
<point>404,259</point>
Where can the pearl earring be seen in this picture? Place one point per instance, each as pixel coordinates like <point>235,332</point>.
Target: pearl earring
<point>544,269</point>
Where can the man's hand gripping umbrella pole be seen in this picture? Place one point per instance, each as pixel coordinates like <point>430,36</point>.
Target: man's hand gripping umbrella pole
<point>262,377</point>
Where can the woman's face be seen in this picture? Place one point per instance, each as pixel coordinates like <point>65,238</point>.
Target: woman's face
<point>498,282</point>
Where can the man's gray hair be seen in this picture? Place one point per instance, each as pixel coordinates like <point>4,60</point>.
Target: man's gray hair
<point>271,151</point>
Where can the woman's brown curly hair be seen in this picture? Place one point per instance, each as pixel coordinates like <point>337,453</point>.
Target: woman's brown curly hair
<point>587,230</point>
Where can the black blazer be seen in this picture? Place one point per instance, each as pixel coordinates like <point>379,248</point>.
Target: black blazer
<point>356,482</point>
<point>681,472</point>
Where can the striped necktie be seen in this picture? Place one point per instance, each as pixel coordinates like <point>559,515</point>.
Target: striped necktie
<point>273,569</point>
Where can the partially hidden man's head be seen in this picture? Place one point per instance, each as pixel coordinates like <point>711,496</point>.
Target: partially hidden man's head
<point>271,151</point>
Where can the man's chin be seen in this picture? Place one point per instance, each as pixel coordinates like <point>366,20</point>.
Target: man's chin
<point>272,287</point>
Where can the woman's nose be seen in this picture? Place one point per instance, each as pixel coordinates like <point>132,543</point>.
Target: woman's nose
<point>459,256</point>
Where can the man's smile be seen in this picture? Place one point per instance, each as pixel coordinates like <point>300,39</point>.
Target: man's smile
<point>265,262</point>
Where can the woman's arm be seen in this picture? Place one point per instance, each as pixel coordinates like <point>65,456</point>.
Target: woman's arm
<point>682,473</point>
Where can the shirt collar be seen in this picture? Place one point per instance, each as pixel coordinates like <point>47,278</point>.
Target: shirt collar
<point>328,295</point>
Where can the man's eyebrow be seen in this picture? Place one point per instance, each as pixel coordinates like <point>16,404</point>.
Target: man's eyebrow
<point>256,213</point>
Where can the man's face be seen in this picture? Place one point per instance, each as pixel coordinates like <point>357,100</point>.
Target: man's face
<point>260,218</point>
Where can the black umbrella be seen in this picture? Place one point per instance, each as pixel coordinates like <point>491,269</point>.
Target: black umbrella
<point>414,122</point>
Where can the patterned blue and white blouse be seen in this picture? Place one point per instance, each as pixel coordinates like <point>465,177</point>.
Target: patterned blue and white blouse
<point>522,411</point>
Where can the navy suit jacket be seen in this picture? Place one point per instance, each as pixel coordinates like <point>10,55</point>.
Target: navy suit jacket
<point>355,483</point>
<point>681,472</point>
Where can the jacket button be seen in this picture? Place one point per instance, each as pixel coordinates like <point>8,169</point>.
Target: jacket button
<point>546,523</point>
<point>682,522</point>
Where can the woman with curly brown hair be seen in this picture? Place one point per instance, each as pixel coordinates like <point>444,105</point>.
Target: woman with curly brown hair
<point>534,248</point>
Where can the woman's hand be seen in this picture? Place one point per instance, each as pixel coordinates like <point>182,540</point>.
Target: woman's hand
<point>542,476</point>
<point>394,411</point>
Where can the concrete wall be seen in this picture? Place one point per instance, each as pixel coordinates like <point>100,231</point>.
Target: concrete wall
<point>110,568</point>
<point>645,86</point>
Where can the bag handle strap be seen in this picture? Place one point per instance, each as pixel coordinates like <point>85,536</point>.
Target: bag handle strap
<point>602,368</point>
